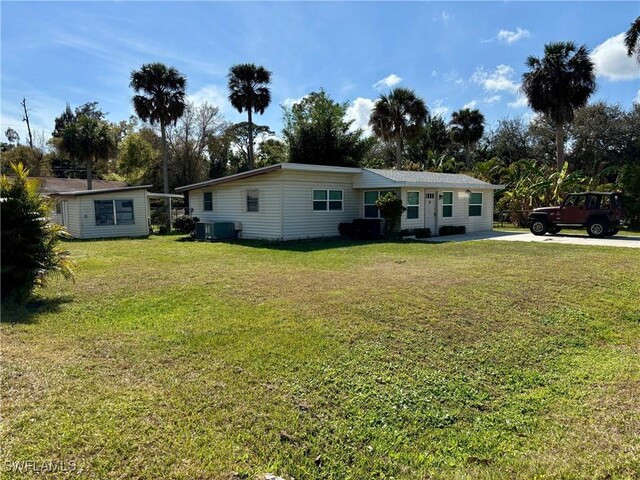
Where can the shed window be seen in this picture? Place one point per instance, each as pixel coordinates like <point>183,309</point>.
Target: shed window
<point>447,204</point>
<point>253,201</point>
<point>413,205</point>
<point>370,197</point>
<point>475,205</point>
<point>58,208</point>
<point>327,200</point>
<point>207,201</point>
<point>113,212</point>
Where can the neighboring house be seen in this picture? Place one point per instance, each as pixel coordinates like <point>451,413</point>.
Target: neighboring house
<point>293,201</point>
<point>104,212</point>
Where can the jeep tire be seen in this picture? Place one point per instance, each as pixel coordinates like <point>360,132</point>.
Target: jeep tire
<point>598,228</point>
<point>539,226</point>
<point>613,231</point>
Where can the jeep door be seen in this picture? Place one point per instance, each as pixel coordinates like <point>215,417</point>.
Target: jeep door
<point>573,210</point>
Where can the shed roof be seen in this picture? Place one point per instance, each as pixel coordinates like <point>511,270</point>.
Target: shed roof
<point>53,185</point>
<point>104,190</point>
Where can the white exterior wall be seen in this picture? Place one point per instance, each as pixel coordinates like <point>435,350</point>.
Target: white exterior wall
<point>73,222</point>
<point>300,221</point>
<point>461,211</point>
<point>230,205</point>
<point>87,227</point>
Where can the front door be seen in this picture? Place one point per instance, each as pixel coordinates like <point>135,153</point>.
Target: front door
<point>430,211</point>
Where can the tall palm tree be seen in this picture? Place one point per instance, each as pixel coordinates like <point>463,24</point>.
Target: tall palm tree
<point>632,40</point>
<point>87,140</point>
<point>467,127</point>
<point>159,98</point>
<point>398,116</point>
<point>558,84</point>
<point>249,91</point>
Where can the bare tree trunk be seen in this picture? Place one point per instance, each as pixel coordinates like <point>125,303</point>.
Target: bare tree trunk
<point>165,172</point>
<point>559,146</point>
<point>26,119</point>
<point>398,151</point>
<point>467,155</point>
<point>250,139</point>
<point>89,174</point>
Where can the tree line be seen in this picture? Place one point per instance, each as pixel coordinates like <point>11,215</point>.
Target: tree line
<point>172,142</point>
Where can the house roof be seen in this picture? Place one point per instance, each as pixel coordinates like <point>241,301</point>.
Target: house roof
<point>104,190</point>
<point>426,179</point>
<point>53,185</point>
<point>385,178</point>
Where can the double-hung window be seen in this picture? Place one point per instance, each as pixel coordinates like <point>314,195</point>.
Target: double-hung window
<point>370,197</point>
<point>413,205</point>
<point>253,200</point>
<point>475,204</point>
<point>207,201</point>
<point>447,204</point>
<point>327,200</point>
<point>113,212</point>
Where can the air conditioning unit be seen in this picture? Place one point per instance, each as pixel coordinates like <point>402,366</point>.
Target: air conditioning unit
<point>215,231</point>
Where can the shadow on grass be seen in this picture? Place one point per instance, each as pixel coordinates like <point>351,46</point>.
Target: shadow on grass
<point>26,312</point>
<point>311,245</point>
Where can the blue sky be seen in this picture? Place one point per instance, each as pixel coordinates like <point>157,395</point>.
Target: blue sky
<point>452,53</point>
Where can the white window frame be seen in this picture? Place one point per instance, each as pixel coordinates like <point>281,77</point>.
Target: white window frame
<point>365,205</point>
<point>453,199</point>
<point>475,204</point>
<point>417,217</point>
<point>328,200</point>
<point>246,199</point>
<point>204,202</point>
<point>115,215</point>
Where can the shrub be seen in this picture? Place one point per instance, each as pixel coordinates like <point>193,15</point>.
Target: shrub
<point>185,224</point>
<point>30,251</point>
<point>346,229</point>
<point>391,209</point>
<point>629,184</point>
<point>452,230</point>
<point>423,232</point>
<point>361,229</point>
<point>408,232</point>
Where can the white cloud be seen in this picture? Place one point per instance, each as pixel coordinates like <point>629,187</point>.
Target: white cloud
<point>492,99</point>
<point>501,79</point>
<point>445,17</point>
<point>434,73</point>
<point>215,95</point>
<point>611,60</point>
<point>387,82</point>
<point>519,102</point>
<point>510,37</point>
<point>439,110</point>
<point>471,105</point>
<point>290,102</point>
<point>359,111</point>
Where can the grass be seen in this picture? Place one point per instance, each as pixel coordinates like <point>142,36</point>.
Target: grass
<point>332,360</point>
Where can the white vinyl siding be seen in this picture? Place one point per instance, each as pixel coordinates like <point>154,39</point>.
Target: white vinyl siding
<point>89,227</point>
<point>300,220</point>
<point>230,205</point>
<point>461,212</point>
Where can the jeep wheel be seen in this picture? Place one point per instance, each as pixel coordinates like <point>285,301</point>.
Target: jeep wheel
<point>538,226</point>
<point>597,228</point>
<point>554,230</point>
<point>613,231</point>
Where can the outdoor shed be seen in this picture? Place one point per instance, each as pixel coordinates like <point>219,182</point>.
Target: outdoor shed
<point>106,213</point>
<point>294,201</point>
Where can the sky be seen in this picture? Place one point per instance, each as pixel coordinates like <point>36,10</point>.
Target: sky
<point>453,54</point>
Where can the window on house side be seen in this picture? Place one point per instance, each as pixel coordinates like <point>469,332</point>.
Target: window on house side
<point>207,201</point>
<point>253,201</point>
<point>413,205</point>
<point>327,200</point>
<point>447,204</point>
<point>475,205</point>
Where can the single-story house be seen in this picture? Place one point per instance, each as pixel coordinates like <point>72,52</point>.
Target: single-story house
<point>294,201</point>
<point>106,212</point>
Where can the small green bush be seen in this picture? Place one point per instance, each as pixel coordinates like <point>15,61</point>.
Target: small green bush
<point>185,224</point>
<point>423,232</point>
<point>30,250</point>
<point>452,230</point>
<point>391,209</point>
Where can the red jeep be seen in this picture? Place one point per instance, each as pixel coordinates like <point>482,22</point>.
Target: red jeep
<point>599,212</point>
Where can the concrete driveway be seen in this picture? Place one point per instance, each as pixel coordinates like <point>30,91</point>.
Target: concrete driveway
<point>616,241</point>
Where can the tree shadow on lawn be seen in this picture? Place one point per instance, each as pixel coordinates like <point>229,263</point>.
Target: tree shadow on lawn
<point>311,245</point>
<point>26,313</point>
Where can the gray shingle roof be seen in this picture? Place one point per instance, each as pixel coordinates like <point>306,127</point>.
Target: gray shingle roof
<point>52,185</point>
<point>409,177</point>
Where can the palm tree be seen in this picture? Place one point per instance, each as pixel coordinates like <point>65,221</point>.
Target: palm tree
<point>558,84</point>
<point>87,140</point>
<point>467,127</point>
<point>398,116</point>
<point>248,92</point>
<point>632,40</point>
<point>159,98</point>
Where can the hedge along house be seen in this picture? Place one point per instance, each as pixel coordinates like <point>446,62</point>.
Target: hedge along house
<point>107,212</point>
<point>292,201</point>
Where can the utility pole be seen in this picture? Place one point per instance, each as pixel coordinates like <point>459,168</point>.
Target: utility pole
<point>25,118</point>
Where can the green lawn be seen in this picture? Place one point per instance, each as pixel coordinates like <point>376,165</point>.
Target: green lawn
<point>478,360</point>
